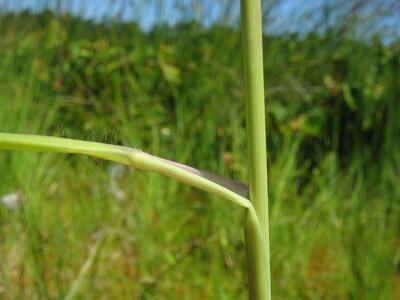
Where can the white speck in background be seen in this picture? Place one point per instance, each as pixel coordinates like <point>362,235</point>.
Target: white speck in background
<point>12,200</point>
<point>116,173</point>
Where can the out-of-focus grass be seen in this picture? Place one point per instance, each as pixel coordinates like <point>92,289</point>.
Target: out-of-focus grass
<point>336,237</point>
<point>334,231</point>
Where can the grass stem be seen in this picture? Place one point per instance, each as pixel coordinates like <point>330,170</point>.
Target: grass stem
<point>257,247</point>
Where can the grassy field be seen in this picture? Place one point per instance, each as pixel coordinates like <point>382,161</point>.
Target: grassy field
<point>85,229</point>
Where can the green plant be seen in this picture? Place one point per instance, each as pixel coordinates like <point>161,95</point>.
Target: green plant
<point>256,222</point>
<point>257,249</point>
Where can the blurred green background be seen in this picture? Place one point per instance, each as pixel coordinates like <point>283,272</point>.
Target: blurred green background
<point>166,76</point>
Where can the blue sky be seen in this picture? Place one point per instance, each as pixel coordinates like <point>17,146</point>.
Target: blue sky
<point>143,11</point>
<point>288,15</point>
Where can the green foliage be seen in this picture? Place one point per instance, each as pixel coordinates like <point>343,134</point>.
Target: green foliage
<point>316,86</point>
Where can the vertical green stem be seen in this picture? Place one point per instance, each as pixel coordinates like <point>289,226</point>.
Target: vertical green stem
<point>257,247</point>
